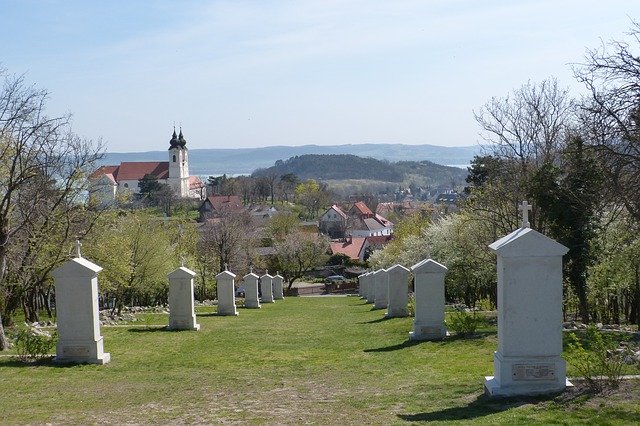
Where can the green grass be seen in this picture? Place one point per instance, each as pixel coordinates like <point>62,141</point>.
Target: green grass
<point>325,360</point>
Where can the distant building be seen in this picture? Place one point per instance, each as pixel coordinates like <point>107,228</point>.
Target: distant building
<point>333,222</point>
<point>216,206</point>
<point>108,181</point>
<point>354,247</point>
<point>365,223</point>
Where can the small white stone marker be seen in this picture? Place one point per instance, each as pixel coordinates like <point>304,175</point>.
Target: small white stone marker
<point>528,360</point>
<point>266,288</point>
<point>525,208</point>
<point>428,323</point>
<point>381,281</point>
<point>79,339</point>
<point>278,291</point>
<point>182,314</point>
<point>362,284</point>
<point>226,293</point>
<point>398,291</point>
<point>251,290</point>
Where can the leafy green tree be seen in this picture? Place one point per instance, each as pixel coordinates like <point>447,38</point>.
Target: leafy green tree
<point>312,195</point>
<point>299,253</point>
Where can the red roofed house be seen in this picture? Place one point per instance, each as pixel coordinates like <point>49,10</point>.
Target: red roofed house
<point>333,222</point>
<point>354,247</point>
<point>107,181</point>
<point>217,205</point>
<point>365,223</point>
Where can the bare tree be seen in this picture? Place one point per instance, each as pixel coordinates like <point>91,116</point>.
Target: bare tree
<point>299,253</point>
<point>225,236</point>
<point>35,149</point>
<point>611,114</point>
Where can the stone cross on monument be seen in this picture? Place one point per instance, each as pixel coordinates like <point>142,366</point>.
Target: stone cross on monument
<point>182,261</point>
<point>525,207</point>
<point>226,267</point>
<point>78,245</point>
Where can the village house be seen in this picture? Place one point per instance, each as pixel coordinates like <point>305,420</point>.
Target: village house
<point>108,181</point>
<point>364,223</point>
<point>333,222</point>
<point>216,206</point>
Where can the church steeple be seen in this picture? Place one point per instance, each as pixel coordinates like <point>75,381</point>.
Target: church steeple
<point>181,140</point>
<point>174,142</point>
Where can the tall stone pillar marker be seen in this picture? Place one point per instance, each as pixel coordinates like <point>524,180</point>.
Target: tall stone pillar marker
<point>381,282</point>
<point>79,339</point>
<point>363,282</point>
<point>398,292</point>
<point>226,293</point>
<point>428,323</point>
<point>266,288</point>
<point>182,314</point>
<point>278,290</point>
<point>528,360</point>
<point>371,287</point>
<point>251,290</point>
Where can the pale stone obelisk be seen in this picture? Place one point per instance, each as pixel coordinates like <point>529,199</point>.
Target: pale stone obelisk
<point>182,314</point>
<point>266,288</point>
<point>428,323</point>
<point>251,290</point>
<point>278,291</point>
<point>398,291</point>
<point>381,283</point>
<point>528,360</point>
<point>226,293</point>
<point>77,312</point>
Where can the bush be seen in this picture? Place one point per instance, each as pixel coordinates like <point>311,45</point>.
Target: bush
<point>597,358</point>
<point>463,323</point>
<point>32,343</point>
<point>411,306</point>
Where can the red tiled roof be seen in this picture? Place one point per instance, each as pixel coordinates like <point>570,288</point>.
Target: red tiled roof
<point>379,239</point>
<point>225,202</point>
<point>195,182</point>
<point>104,170</point>
<point>384,221</point>
<point>136,170</point>
<point>362,208</point>
<point>352,247</point>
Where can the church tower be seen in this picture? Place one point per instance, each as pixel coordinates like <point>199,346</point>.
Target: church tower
<point>178,165</point>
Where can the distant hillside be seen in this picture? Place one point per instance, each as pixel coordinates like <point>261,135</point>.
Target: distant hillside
<point>245,160</point>
<point>345,167</point>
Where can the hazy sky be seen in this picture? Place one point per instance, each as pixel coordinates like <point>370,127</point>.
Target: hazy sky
<point>256,73</point>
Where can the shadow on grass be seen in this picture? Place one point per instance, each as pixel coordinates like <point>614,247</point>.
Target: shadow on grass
<point>208,314</point>
<point>43,362</point>
<point>480,407</point>
<point>376,321</point>
<point>474,336</point>
<point>152,329</point>
<point>403,345</point>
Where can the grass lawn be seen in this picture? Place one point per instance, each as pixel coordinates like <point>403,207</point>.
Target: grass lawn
<point>324,360</point>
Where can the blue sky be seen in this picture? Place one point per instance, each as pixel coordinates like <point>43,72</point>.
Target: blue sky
<point>257,73</point>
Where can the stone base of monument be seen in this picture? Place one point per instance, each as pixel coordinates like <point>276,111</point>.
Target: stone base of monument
<point>252,304</point>
<point>428,332</point>
<point>526,376</point>
<point>183,323</point>
<point>227,312</point>
<point>397,313</point>
<point>81,352</point>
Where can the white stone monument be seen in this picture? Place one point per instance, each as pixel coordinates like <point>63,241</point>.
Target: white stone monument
<point>251,290</point>
<point>381,282</point>
<point>226,293</point>
<point>428,323</point>
<point>278,290</point>
<point>371,287</point>
<point>365,284</point>
<point>398,291</point>
<point>79,339</point>
<point>266,287</point>
<point>528,360</point>
<point>182,314</point>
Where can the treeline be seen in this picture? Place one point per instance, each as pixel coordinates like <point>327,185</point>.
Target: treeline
<point>342,167</point>
<point>578,163</point>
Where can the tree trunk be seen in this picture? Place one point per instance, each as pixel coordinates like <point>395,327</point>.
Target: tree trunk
<point>4,344</point>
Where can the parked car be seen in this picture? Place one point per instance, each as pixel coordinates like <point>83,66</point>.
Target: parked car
<point>335,279</point>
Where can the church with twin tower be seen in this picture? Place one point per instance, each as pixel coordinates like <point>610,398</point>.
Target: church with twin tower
<point>109,181</point>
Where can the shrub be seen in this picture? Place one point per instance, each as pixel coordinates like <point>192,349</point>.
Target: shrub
<point>597,358</point>
<point>32,343</point>
<point>463,323</point>
<point>412,305</point>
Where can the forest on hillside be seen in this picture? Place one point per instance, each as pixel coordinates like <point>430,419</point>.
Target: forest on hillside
<point>343,167</point>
